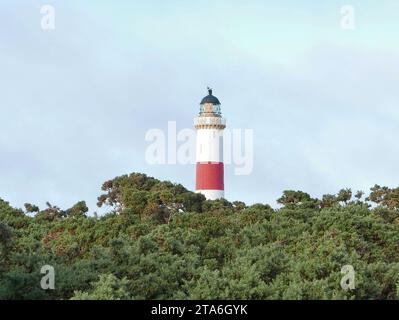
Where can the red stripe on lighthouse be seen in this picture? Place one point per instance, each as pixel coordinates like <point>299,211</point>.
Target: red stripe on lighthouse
<point>210,176</point>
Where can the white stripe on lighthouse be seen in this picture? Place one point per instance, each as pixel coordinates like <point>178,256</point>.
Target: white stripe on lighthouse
<point>212,194</point>
<point>209,145</point>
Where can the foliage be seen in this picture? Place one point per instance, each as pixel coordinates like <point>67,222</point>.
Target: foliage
<point>108,287</point>
<point>161,241</point>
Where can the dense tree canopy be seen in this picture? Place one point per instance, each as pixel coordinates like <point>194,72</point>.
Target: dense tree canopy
<point>161,241</point>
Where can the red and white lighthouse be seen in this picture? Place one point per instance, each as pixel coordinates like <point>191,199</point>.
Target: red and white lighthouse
<point>209,156</point>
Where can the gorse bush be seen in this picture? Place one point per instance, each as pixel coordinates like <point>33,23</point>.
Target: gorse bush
<point>161,241</point>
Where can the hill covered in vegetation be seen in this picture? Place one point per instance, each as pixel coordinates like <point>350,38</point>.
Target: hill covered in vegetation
<point>161,241</point>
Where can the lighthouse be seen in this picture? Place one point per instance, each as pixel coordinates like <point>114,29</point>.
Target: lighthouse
<point>209,149</point>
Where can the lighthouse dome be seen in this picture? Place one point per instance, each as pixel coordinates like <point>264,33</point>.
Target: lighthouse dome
<point>210,98</point>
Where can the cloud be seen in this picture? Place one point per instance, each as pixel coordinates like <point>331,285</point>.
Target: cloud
<point>76,102</point>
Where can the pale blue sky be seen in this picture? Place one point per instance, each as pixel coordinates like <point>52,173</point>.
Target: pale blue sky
<point>76,102</point>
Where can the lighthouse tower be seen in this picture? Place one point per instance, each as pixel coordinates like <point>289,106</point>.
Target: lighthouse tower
<point>209,156</point>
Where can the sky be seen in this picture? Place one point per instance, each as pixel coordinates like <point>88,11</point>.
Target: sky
<point>76,102</point>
